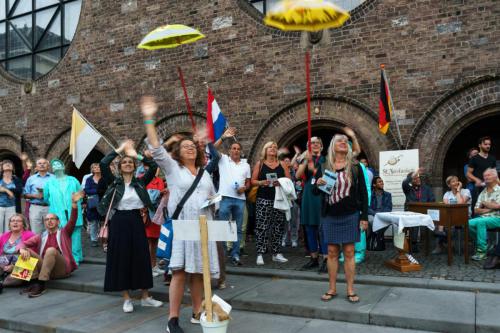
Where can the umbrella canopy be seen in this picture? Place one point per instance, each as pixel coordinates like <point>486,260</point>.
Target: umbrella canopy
<point>169,36</point>
<point>306,15</point>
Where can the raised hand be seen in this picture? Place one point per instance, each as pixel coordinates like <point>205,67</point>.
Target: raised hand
<point>297,150</point>
<point>148,107</point>
<point>349,132</point>
<point>77,196</point>
<point>129,149</point>
<point>229,132</point>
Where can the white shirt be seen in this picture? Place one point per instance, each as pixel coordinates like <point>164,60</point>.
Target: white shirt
<point>465,193</point>
<point>230,173</point>
<point>130,199</point>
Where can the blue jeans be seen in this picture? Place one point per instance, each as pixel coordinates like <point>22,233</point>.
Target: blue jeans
<point>315,240</point>
<point>235,208</point>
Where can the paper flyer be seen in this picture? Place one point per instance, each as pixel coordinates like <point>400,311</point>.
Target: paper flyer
<point>23,269</point>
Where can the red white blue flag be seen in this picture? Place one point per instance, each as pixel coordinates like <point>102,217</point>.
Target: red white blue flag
<point>216,123</point>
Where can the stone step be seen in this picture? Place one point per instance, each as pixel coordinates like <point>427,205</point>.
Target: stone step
<point>60,311</point>
<point>391,281</point>
<point>409,308</point>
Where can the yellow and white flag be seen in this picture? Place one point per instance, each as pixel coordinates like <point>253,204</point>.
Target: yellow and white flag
<point>84,137</point>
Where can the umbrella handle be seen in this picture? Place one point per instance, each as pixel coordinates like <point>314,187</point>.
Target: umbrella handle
<point>308,94</point>
<point>186,98</point>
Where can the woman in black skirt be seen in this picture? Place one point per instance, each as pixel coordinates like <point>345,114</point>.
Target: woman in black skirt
<point>343,212</point>
<point>128,264</point>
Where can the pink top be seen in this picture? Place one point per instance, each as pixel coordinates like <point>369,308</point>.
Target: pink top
<point>25,235</point>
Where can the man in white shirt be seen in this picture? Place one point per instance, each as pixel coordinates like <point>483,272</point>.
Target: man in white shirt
<point>234,180</point>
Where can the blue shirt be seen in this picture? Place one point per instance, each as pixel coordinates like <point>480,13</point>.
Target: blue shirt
<point>5,200</point>
<point>34,183</point>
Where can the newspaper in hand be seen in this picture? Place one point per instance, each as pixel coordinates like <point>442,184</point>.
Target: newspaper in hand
<point>330,178</point>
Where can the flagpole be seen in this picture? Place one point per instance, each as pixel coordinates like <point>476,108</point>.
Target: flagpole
<point>382,66</point>
<point>88,123</point>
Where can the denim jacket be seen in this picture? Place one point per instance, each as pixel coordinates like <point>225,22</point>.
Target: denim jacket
<point>386,203</point>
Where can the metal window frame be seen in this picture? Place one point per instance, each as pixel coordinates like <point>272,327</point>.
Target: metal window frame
<point>34,46</point>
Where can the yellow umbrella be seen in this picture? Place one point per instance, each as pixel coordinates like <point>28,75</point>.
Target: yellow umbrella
<point>170,36</point>
<point>306,15</point>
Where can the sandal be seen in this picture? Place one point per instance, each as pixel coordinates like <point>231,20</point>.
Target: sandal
<point>352,298</point>
<point>328,296</point>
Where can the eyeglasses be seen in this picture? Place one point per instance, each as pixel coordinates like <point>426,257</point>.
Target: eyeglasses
<point>315,142</point>
<point>51,219</point>
<point>188,146</point>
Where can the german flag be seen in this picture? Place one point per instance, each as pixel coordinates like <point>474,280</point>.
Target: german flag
<point>384,104</point>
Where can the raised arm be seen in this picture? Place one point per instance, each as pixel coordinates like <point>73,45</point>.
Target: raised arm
<point>70,226</point>
<point>107,175</point>
<point>149,109</point>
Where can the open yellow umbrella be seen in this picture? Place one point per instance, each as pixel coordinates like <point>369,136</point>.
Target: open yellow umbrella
<point>306,15</point>
<point>170,36</point>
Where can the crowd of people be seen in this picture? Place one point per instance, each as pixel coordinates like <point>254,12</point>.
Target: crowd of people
<point>284,199</point>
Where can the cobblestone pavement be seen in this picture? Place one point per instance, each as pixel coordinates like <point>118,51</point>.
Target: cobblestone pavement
<point>434,266</point>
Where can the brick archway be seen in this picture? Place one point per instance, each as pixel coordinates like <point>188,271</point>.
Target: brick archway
<point>449,117</point>
<point>334,112</point>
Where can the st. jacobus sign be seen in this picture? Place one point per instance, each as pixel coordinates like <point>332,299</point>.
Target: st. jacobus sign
<point>395,165</point>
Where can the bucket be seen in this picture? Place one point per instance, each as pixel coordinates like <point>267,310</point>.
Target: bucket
<point>214,327</point>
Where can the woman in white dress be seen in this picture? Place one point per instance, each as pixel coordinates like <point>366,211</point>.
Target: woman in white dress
<point>180,168</point>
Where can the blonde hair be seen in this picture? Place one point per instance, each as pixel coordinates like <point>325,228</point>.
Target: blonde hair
<point>330,157</point>
<point>450,178</point>
<point>263,152</point>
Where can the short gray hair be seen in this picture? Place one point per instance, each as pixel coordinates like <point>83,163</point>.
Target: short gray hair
<point>491,170</point>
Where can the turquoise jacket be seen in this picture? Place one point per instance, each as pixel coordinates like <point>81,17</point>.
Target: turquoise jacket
<point>57,192</point>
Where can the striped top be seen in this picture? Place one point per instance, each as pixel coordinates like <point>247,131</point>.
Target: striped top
<point>341,189</point>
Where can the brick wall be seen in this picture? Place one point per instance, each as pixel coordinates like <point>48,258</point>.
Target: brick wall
<point>441,58</point>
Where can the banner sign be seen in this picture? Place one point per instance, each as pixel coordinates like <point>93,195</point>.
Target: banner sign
<point>395,165</point>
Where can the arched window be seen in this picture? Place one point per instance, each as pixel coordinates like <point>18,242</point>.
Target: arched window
<point>264,5</point>
<point>35,34</point>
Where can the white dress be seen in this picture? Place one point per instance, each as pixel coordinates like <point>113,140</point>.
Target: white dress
<point>186,255</point>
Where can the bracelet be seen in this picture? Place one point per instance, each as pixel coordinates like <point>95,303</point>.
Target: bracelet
<point>140,157</point>
<point>149,122</point>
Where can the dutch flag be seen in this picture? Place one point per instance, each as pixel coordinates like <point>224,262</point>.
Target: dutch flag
<point>216,123</point>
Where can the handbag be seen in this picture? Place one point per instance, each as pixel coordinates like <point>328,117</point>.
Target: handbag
<point>104,231</point>
<point>164,249</point>
<point>252,194</point>
<point>92,201</point>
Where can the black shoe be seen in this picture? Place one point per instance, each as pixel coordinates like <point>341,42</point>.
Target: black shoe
<point>173,326</point>
<point>323,268</point>
<point>312,264</point>
<point>37,290</point>
<point>1,288</point>
<point>492,262</point>
<point>236,262</point>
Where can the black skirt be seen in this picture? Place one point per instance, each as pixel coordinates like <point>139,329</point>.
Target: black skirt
<point>128,264</point>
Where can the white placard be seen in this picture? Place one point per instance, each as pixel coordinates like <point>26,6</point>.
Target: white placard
<point>434,214</point>
<point>395,165</point>
<point>217,230</point>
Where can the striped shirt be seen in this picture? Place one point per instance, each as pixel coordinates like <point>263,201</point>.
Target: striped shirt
<point>341,189</point>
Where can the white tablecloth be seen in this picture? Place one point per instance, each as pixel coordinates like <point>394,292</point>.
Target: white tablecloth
<point>402,220</point>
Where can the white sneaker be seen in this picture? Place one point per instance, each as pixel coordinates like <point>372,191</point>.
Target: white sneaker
<point>283,243</point>
<point>279,258</point>
<point>128,306</point>
<point>294,244</point>
<point>157,271</point>
<point>260,260</point>
<point>150,301</point>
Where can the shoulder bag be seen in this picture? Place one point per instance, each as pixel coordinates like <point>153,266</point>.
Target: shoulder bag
<point>164,249</point>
